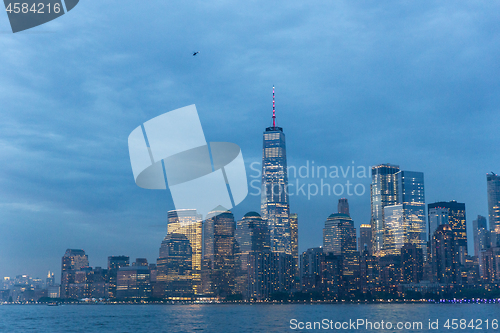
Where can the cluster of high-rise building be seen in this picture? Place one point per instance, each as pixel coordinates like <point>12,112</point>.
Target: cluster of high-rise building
<point>403,249</point>
<point>398,252</point>
<point>214,257</point>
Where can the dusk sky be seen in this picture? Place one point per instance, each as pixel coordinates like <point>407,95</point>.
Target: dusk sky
<point>412,83</point>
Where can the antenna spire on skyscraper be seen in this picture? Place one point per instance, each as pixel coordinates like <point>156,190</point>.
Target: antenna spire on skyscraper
<point>274,111</point>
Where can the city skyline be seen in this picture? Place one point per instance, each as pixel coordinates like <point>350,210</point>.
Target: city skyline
<point>397,196</point>
<point>235,261</point>
<point>372,83</point>
<point>404,201</point>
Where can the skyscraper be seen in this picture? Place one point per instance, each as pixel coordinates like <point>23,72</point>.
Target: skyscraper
<point>174,265</point>
<point>365,238</point>
<point>252,234</point>
<point>436,216</point>
<point>310,274</point>
<point>383,193</point>
<point>115,263</point>
<point>395,226</point>
<point>481,235</point>
<point>404,221</point>
<point>339,235</point>
<point>252,237</point>
<point>73,262</point>
<point>339,239</point>
<point>445,260</point>
<point>411,194</point>
<point>188,223</point>
<point>457,222</point>
<point>294,235</point>
<point>412,263</point>
<point>343,206</point>
<point>219,260</point>
<point>274,196</point>
<point>493,184</point>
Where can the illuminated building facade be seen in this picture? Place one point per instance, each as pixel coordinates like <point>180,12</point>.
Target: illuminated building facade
<point>489,265</point>
<point>411,195</point>
<point>99,283</point>
<point>457,222</point>
<point>219,257</point>
<point>436,216</point>
<point>188,223</point>
<point>368,271</point>
<point>445,256</point>
<point>365,238</point>
<point>493,185</point>
<point>269,273</point>
<point>114,263</point>
<point>389,273</point>
<point>174,265</point>
<point>252,237</point>
<point>339,239</point>
<point>73,276</point>
<point>274,196</point>
<point>481,235</point>
<point>412,263</point>
<point>252,234</point>
<point>294,235</point>
<point>339,235</point>
<point>133,282</point>
<point>310,275</point>
<point>383,193</point>
<point>395,226</point>
<point>404,222</point>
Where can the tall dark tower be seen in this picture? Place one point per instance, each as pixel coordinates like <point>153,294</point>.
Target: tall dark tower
<point>274,198</point>
<point>114,264</point>
<point>343,206</point>
<point>445,261</point>
<point>457,222</point>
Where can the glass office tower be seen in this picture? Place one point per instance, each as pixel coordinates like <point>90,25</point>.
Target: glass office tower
<point>493,183</point>
<point>294,235</point>
<point>410,189</point>
<point>481,235</point>
<point>274,197</point>
<point>383,193</point>
<point>457,222</point>
<point>339,235</point>
<point>219,261</point>
<point>188,223</point>
<point>437,216</point>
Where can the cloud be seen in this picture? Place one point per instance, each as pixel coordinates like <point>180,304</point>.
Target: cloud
<point>415,84</point>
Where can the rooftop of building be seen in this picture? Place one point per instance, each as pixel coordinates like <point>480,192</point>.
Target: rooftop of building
<point>274,129</point>
<point>338,215</point>
<point>252,214</point>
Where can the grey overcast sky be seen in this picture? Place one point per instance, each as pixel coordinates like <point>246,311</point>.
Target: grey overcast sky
<point>358,83</point>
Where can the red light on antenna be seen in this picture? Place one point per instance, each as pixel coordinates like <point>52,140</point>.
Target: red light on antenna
<point>274,111</point>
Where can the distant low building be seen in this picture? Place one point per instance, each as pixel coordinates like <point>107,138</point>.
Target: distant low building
<point>133,283</point>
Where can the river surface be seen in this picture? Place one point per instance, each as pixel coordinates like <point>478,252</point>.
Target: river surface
<point>249,318</point>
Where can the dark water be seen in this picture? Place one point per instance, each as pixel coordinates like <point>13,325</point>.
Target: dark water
<point>237,318</point>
